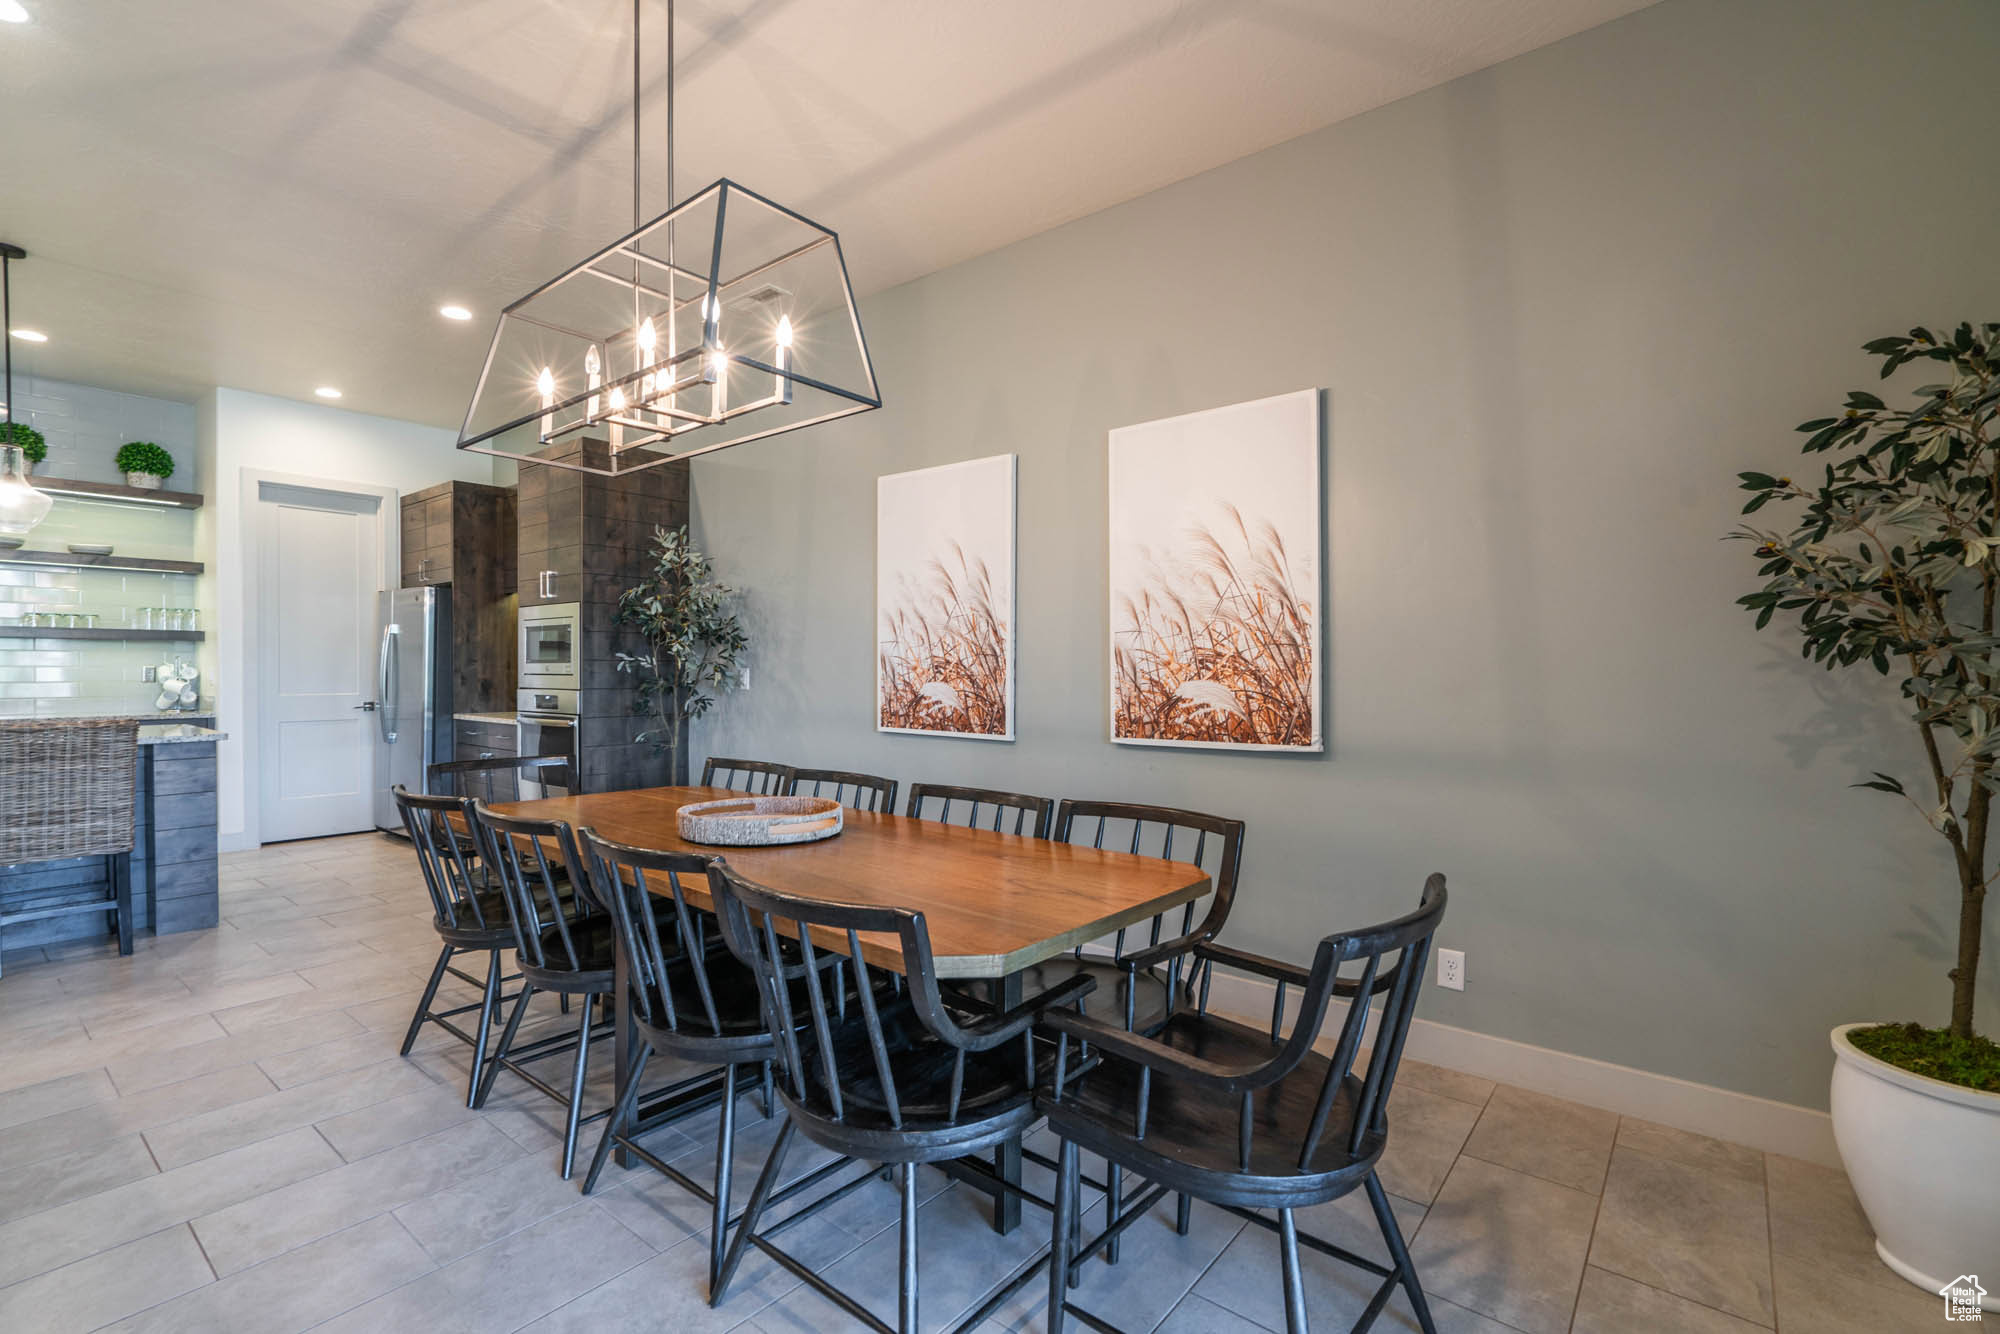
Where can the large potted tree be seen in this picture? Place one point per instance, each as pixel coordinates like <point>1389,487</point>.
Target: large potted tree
<point>693,643</point>
<point>1892,565</point>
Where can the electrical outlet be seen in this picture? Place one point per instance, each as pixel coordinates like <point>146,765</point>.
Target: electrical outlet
<point>149,673</point>
<point>743,680</point>
<point>1451,969</point>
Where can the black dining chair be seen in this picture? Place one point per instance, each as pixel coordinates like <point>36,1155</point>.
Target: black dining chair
<point>1136,988</point>
<point>864,792</point>
<point>981,808</point>
<point>469,915</point>
<point>691,1000</point>
<point>565,945</point>
<point>759,778</point>
<point>896,1077</point>
<point>1251,1120</point>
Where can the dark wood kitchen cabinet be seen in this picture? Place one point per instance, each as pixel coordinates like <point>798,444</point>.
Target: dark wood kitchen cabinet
<point>459,525</point>
<point>463,534</point>
<point>478,740</point>
<point>586,539</point>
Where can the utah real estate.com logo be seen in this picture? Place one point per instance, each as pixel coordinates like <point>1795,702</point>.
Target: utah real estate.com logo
<point>1962,1297</point>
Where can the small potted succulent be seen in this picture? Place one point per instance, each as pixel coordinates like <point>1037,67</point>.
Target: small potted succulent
<point>144,464</point>
<point>33,446</point>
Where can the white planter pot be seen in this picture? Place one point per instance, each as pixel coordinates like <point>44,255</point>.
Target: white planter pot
<point>145,481</point>
<point>1924,1157</point>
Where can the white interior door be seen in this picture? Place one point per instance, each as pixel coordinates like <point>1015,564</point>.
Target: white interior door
<point>319,572</point>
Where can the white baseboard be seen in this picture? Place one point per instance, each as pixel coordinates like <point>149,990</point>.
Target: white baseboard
<point>1760,1123</point>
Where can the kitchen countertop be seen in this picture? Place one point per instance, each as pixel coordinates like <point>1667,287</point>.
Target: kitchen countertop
<point>506,719</point>
<point>172,734</point>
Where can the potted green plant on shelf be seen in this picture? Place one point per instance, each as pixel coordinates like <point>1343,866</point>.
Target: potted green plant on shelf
<point>144,464</point>
<point>694,643</point>
<point>1893,566</point>
<point>33,444</point>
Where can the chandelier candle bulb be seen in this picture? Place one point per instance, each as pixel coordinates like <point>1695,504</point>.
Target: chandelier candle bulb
<point>593,368</point>
<point>648,339</point>
<point>545,384</point>
<point>784,359</point>
<point>718,375</point>
<point>617,409</point>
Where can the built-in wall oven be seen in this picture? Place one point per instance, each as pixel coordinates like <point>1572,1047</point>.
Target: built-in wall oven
<point>546,697</point>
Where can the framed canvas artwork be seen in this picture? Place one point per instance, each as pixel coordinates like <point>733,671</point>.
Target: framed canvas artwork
<point>1216,533</point>
<point>944,600</point>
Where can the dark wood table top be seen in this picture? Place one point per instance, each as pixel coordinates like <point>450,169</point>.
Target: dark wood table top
<point>995,903</point>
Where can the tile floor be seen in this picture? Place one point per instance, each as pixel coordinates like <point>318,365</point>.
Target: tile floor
<point>217,1134</point>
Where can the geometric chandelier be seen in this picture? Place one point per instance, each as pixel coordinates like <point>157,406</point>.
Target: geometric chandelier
<point>726,319</point>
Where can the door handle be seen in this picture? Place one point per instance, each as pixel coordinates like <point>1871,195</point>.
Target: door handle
<point>370,706</point>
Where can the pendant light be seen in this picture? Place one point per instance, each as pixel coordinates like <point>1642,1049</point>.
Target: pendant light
<point>727,318</point>
<point>21,505</point>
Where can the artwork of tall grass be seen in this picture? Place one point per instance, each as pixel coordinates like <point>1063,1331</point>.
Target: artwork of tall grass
<point>945,600</point>
<point>1215,607</point>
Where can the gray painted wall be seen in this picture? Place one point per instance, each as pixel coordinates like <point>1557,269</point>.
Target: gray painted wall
<point>1555,307</point>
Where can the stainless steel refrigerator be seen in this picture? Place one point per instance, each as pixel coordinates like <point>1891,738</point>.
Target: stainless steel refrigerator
<point>412,694</point>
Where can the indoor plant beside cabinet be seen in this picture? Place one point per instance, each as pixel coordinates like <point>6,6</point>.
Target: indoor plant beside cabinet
<point>1894,566</point>
<point>694,643</point>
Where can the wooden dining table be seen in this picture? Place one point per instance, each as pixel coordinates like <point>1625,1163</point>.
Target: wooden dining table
<point>995,903</point>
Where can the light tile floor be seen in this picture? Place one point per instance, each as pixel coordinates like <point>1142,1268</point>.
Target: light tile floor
<point>217,1134</point>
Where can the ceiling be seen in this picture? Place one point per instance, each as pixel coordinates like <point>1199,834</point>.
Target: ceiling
<point>279,195</point>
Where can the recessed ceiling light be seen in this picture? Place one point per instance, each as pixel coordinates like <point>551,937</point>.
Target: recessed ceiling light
<point>11,12</point>
<point>28,335</point>
<point>449,312</point>
<point>327,391</point>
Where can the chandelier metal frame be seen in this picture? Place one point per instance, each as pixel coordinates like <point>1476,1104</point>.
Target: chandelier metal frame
<point>682,389</point>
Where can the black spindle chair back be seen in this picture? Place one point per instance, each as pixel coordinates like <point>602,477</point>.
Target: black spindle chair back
<point>632,882</point>
<point>806,953</point>
<point>864,792</point>
<point>982,808</point>
<point>548,906</point>
<point>759,778</point>
<point>1211,842</point>
<point>442,831</point>
<point>496,780</point>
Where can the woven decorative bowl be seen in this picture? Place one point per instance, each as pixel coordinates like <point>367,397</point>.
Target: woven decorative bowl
<point>760,822</point>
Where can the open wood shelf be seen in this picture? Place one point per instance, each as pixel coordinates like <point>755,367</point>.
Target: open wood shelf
<point>70,560</point>
<point>101,632</point>
<point>63,486</point>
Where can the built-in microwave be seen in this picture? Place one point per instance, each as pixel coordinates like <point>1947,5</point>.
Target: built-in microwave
<point>551,647</point>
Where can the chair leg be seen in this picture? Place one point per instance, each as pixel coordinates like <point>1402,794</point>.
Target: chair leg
<point>1114,1201</point>
<point>121,883</point>
<point>492,1069</point>
<point>906,1281</point>
<point>1060,1240</point>
<point>1184,1214</point>
<point>769,1102</point>
<point>576,1077</point>
<point>767,1181</point>
<point>1399,1253</point>
<point>620,1118</point>
<point>489,1001</point>
<point>725,1174</point>
<point>424,1009</point>
<point>1295,1284</point>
